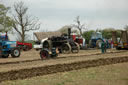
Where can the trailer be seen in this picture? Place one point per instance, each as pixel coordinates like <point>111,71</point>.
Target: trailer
<point>24,46</point>
<point>120,42</point>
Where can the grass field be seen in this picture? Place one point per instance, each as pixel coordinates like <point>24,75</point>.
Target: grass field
<point>116,74</point>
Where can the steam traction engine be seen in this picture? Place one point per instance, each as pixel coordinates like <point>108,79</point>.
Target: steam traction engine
<point>63,43</point>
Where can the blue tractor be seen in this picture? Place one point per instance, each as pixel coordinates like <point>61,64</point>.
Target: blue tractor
<point>96,40</point>
<point>8,47</point>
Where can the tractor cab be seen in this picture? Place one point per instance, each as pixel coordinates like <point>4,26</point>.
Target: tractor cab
<point>96,40</point>
<point>96,36</point>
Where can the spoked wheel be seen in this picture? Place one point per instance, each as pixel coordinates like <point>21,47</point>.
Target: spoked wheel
<point>66,48</point>
<point>15,52</point>
<point>75,48</point>
<point>44,54</point>
<point>47,44</point>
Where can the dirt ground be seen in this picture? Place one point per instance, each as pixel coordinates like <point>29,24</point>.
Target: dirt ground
<point>115,74</point>
<point>35,60</point>
<point>34,55</point>
<point>30,65</point>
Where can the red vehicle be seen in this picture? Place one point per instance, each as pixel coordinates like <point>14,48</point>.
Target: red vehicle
<point>24,46</point>
<point>79,40</point>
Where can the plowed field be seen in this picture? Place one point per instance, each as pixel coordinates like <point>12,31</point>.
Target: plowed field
<point>30,65</point>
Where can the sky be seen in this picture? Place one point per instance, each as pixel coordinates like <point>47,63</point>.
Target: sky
<point>54,14</point>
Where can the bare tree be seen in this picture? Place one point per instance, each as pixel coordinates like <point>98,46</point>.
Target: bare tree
<point>78,25</point>
<point>22,22</point>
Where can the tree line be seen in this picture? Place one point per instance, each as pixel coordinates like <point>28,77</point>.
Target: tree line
<point>106,33</point>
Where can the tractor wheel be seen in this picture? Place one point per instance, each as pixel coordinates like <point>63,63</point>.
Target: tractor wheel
<point>15,52</point>
<point>118,48</point>
<point>76,48</point>
<point>66,48</point>
<point>98,43</point>
<point>5,55</point>
<point>47,44</point>
<point>44,54</point>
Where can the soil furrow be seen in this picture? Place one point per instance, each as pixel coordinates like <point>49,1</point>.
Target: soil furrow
<point>16,62</point>
<point>39,71</point>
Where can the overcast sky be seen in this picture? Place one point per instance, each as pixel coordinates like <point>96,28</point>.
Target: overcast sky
<point>54,14</point>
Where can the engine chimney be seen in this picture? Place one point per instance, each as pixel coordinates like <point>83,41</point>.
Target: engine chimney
<point>69,33</point>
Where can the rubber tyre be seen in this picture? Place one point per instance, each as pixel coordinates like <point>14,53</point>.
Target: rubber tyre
<point>66,48</point>
<point>118,48</point>
<point>5,55</point>
<point>15,52</point>
<point>98,43</point>
<point>37,49</point>
<point>77,49</point>
<point>44,54</point>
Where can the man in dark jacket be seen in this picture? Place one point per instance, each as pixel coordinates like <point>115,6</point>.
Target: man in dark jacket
<point>103,47</point>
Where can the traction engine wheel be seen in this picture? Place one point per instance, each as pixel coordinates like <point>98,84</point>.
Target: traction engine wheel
<point>75,48</point>
<point>15,52</point>
<point>66,48</point>
<point>47,44</point>
<point>44,54</point>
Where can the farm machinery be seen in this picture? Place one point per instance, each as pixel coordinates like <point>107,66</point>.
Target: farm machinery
<point>96,40</point>
<point>24,46</point>
<point>8,47</point>
<point>121,42</point>
<point>58,44</point>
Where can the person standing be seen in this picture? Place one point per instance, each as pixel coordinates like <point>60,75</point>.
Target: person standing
<point>103,47</point>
